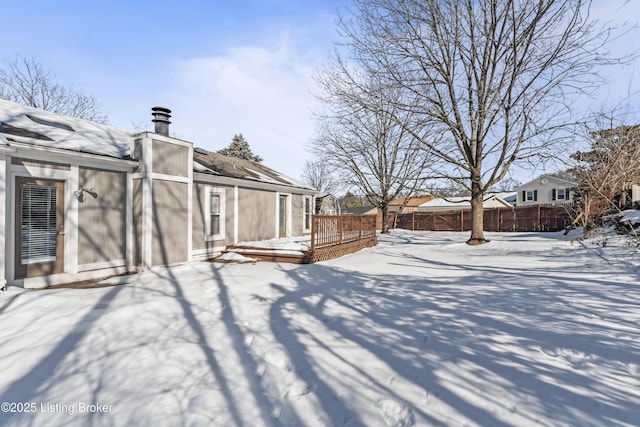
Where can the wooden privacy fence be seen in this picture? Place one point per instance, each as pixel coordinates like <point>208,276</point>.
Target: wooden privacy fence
<point>335,235</point>
<point>523,218</point>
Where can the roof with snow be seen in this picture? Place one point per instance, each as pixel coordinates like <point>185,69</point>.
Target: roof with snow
<point>27,125</point>
<point>21,124</point>
<point>412,201</point>
<point>363,210</point>
<point>458,202</point>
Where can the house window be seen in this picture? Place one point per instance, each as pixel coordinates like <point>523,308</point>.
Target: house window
<point>214,221</point>
<point>530,196</point>
<point>560,194</point>
<point>215,213</point>
<point>307,213</point>
<point>39,231</point>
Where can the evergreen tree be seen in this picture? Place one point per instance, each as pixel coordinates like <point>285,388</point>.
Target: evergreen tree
<point>239,148</point>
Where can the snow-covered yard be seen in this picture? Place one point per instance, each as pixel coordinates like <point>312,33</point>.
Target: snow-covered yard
<point>529,329</point>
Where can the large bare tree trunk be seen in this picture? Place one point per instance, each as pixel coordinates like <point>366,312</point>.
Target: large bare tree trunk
<point>385,219</point>
<point>477,213</point>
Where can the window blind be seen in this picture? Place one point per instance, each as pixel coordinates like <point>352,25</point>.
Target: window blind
<point>38,224</point>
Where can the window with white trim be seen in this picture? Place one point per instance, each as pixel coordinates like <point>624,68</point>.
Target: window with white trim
<point>530,196</point>
<point>214,213</point>
<point>560,194</point>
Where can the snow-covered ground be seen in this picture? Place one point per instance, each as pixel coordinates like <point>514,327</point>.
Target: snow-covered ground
<point>529,329</point>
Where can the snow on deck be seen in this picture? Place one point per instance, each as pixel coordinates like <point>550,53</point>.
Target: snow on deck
<point>291,244</point>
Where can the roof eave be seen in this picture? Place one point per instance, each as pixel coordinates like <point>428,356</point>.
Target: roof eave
<point>38,152</point>
<point>250,183</point>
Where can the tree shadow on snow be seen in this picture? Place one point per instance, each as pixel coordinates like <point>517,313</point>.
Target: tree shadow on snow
<point>491,323</point>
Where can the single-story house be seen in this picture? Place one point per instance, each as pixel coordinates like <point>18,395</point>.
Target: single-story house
<point>491,200</point>
<point>546,189</point>
<point>409,204</point>
<point>81,200</point>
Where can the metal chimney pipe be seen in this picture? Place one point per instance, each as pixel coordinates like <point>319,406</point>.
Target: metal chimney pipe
<point>161,116</point>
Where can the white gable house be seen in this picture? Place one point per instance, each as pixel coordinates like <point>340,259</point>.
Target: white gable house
<point>546,189</point>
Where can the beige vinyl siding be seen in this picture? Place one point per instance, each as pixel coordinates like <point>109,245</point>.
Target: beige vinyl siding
<point>170,223</point>
<point>200,214</point>
<point>230,215</point>
<point>137,153</point>
<point>256,214</point>
<point>170,159</point>
<point>137,222</point>
<point>198,224</point>
<point>102,219</point>
<point>297,215</point>
<point>39,164</point>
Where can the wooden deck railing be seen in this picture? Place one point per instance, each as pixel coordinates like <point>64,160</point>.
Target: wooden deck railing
<point>331,230</point>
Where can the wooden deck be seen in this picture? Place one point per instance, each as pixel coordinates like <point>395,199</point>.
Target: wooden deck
<point>332,236</point>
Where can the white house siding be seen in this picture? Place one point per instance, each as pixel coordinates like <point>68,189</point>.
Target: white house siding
<point>542,190</point>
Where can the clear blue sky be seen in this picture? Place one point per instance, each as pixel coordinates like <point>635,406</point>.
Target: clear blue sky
<point>223,67</point>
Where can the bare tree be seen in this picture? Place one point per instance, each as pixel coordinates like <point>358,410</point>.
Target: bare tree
<point>367,148</point>
<point>488,82</point>
<point>507,184</point>
<point>320,176</point>
<point>608,170</point>
<point>27,82</point>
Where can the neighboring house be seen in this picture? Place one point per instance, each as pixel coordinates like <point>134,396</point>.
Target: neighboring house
<point>362,210</point>
<point>327,204</point>
<point>409,204</point>
<point>491,200</point>
<point>81,200</point>
<point>546,189</point>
